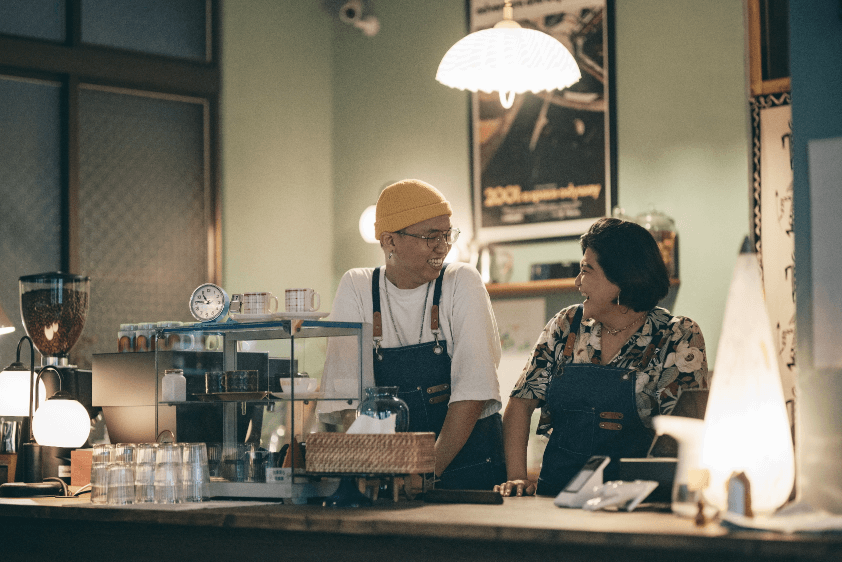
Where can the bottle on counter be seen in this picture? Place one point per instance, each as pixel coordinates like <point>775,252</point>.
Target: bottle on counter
<point>174,386</point>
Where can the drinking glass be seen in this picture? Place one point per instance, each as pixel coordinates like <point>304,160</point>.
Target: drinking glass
<point>120,486</point>
<point>100,458</point>
<point>255,463</point>
<point>233,462</point>
<point>194,472</point>
<point>168,473</point>
<point>123,452</point>
<point>144,473</point>
<point>214,458</point>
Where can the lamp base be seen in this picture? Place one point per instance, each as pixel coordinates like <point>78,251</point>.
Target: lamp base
<point>37,462</point>
<point>29,464</point>
<point>31,489</point>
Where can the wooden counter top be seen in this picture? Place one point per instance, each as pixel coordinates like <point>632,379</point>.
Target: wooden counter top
<point>520,528</point>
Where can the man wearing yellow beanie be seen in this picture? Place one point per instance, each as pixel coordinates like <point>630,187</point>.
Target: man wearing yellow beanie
<point>435,337</point>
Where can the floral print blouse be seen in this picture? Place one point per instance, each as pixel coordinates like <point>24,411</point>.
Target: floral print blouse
<point>679,363</point>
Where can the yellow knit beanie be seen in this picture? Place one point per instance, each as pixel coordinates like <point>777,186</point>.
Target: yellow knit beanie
<point>408,202</point>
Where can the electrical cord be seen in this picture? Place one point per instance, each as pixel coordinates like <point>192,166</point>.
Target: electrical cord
<point>65,491</point>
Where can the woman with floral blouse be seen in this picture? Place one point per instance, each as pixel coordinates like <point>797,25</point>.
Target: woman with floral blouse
<point>600,370</point>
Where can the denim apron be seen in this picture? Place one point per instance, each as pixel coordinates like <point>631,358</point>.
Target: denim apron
<point>594,412</point>
<point>422,374</point>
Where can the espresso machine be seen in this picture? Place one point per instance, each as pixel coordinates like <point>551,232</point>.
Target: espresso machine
<point>53,308</point>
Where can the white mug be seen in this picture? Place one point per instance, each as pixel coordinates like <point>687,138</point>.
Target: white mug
<point>258,303</point>
<point>302,300</point>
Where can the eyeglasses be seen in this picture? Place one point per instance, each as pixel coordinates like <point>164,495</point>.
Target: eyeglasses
<point>449,237</point>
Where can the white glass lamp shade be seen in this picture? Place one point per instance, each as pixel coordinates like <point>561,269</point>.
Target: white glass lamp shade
<point>6,326</point>
<point>367,220</point>
<point>746,423</point>
<point>508,59</point>
<point>14,392</point>
<point>61,423</point>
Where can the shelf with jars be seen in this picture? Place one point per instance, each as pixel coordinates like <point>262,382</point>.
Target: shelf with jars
<point>662,228</point>
<point>543,287</point>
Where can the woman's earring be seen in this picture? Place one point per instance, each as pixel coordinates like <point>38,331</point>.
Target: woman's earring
<point>618,299</point>
<point>392,253</point>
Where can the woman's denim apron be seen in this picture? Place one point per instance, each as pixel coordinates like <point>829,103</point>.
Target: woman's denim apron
<point>594,412</point>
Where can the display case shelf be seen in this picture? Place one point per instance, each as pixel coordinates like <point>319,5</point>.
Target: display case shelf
<point>281,482</point>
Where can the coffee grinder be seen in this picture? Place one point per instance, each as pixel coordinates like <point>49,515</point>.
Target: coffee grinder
<point>53,308</point>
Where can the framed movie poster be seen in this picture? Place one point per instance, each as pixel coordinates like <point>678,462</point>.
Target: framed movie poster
<point>544,168</point>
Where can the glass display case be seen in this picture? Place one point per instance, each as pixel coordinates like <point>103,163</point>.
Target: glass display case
<point>256,406</point>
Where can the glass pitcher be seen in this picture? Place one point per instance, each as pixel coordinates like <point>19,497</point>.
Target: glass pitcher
<point>382,402</point>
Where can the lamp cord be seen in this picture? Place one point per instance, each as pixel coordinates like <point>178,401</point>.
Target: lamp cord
<point>65,490</point>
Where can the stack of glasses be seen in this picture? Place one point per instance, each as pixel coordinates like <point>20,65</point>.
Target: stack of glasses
<point>165,473</point>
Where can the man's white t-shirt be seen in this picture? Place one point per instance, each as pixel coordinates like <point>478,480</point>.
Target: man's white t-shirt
<point>466,323</point>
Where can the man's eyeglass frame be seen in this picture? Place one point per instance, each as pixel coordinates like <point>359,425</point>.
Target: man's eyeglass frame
<point>449,237</point>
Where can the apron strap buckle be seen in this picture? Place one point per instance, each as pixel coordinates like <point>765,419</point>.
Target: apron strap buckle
<point>377,349</point>
<point>438,349</point>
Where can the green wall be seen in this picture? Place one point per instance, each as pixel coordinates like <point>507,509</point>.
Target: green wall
<point>318,118</point>
<point>276,127</point>
<point>684,138</point>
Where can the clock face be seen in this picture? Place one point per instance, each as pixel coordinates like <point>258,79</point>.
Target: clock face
<point>208,303</point>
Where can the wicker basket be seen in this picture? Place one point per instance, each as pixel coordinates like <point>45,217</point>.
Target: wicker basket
<point>395,453</point>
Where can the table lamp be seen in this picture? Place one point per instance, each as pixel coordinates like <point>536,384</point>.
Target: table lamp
<point>747,428</point>
<point>16,385</point>
<point>6,325</point>
<point>60,421</point>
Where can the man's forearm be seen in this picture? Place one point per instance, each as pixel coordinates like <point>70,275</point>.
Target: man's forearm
<point>458,425</point>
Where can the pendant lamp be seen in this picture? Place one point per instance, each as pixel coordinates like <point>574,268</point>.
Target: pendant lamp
<point>508,59</point>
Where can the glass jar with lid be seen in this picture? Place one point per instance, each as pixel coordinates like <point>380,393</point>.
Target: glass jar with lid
<point>174,386</point>
<point>125,337</point>
<point>145,337</point>
<point>663,231</point>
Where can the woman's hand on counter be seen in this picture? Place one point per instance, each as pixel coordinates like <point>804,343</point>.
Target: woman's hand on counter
<point>516,488</point>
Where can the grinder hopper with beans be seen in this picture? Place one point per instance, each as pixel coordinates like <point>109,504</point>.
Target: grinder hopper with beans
<point>53,307</point>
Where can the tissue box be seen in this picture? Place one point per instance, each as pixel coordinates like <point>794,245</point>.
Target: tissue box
<point>394,453</point>
<point>80,466</point>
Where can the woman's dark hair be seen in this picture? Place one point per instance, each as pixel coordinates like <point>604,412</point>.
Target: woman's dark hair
<point>630,258</point>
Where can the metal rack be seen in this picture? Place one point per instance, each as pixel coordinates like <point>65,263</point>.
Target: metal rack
<point>292,483</point>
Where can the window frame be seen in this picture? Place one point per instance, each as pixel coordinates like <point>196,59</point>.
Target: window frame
<point>77,65</point>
